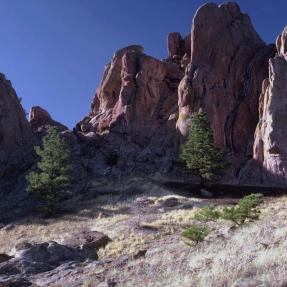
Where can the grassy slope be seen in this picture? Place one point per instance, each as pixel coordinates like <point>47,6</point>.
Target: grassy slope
<point>253,254</point>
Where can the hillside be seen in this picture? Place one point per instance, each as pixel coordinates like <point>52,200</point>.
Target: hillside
<point>147,248</point>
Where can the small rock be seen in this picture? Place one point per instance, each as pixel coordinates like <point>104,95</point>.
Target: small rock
<point>169,202</point>
<point>206,193</point>
<point>139,253</point>
<point>143,200</point>
<point>9,227</point>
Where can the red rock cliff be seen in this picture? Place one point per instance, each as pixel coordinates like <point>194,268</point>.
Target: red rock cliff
<point>219,68</point>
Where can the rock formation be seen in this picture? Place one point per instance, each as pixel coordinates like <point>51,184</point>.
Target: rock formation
<point>228,64</point>
<point>132,123</point>
<point>270,146</point>
<point>142,108</point>
<point>15,133</point>
<point>40,120</point>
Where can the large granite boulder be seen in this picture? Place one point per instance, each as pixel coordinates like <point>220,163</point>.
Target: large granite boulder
<point>228,64</point>
<point>15,133</point>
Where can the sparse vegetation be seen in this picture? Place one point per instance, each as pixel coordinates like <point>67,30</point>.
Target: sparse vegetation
<point>207,213</point>
<point>53,173</point>
<point>239,214</point>
<point>199,153</point>
<point>223,259</point>
<point>244,210</point>
<point>195,234</point>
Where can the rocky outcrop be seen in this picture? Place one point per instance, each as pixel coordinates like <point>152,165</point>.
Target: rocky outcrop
<point>228,63</point>
<point>179,48</point>
<point>133,113</point>
<point>143,105</point>
<point>42,257</point>
<point>41,120</point>
<point>270,146</point>
<point>15,133</point>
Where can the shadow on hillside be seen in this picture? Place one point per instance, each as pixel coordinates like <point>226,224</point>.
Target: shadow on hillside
<point>103,202</point>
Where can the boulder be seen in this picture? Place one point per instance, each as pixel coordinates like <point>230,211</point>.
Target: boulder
<point>42,257</point>
<point>228,64</point>
<point>87,238</point>
<point>169,202</point>
<point>53,253</point>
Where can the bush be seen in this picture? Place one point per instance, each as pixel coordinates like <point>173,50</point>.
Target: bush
<point>207,214</point>
<point>252,200</point>
<point>244,210</point>
<point>195,234</point>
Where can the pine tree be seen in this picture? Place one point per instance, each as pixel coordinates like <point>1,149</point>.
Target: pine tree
<point>199,153</point>
<point>54,170</point>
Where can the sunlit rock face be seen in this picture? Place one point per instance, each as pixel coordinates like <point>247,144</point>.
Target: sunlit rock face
<point>132,123</point>
<point>270,147</point>
<point>228,64</point>
<point>15,133</point>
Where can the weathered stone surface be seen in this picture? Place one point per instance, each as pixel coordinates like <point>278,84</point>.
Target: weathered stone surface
<point>15,133</point>
<point>228,63</point>
<point>270,146</point>
<point>131,119</point>
<point>42,257</point>
<point>40,120</point>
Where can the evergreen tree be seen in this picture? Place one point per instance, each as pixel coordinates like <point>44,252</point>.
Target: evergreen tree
<point>54,170</point>
<point>199,153</point>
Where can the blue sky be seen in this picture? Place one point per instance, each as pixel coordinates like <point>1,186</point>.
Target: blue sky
<point>54,51</point>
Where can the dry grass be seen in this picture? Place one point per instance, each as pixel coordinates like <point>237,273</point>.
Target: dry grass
<point>252,255</point>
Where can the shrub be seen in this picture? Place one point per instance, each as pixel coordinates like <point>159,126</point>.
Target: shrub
<point>53,171</point>
<point>195,233</point>
<point>207,214</point>
<point>252,200</point>
<point>244,210</point>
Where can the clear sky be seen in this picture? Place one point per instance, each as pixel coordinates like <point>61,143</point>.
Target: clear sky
<point>54,51</point>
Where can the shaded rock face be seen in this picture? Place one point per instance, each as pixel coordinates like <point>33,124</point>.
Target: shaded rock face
<point>228,63</point>
<point>179,48</point>
<point>15,133</point>
<point>270,146</point>
<point>133,113</point>
<point>40,120</point>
